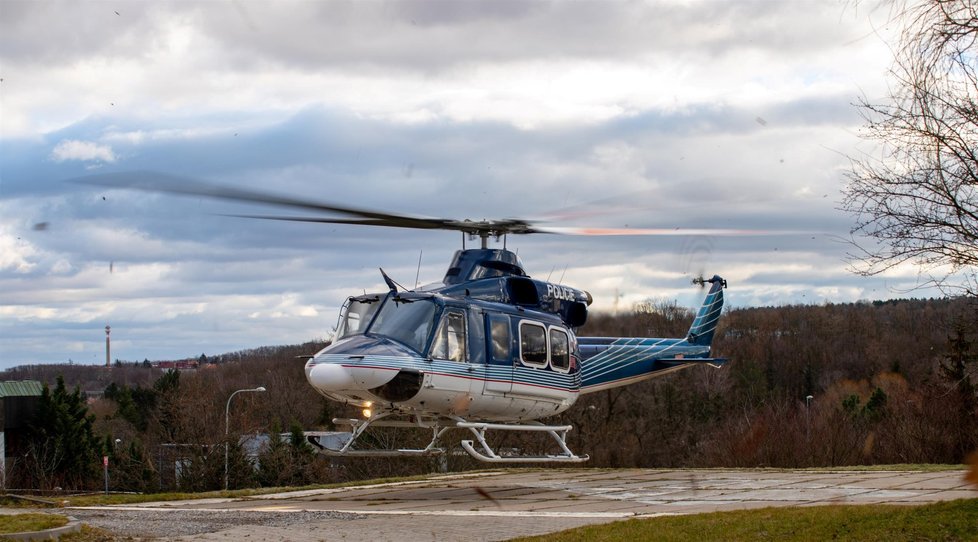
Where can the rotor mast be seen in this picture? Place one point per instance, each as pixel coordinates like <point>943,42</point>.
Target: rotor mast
<point>490,228</point>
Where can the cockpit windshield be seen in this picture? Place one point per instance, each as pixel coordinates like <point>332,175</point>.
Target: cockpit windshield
<point>408,321</point>
<point>356,314</point>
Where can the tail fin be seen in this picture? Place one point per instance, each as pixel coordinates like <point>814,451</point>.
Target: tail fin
<point>701,332</point>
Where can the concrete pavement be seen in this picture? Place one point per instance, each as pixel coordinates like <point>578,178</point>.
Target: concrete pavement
<point>505,504</point>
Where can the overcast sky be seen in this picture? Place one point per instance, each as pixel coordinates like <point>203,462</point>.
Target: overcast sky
<point>647,114</point>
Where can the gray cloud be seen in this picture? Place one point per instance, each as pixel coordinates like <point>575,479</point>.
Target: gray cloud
<point>424,35</point>
<point>450,109</point>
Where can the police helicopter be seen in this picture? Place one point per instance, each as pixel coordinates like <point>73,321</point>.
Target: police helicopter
<point>486,349</point>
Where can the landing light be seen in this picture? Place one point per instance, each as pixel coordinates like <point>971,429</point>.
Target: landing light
<point>366,413</point>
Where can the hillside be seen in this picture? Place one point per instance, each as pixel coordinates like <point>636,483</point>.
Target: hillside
<point>826,385</point>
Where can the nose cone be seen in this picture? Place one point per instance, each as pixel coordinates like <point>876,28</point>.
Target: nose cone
<point>357,364</point>
<point>331,377</point>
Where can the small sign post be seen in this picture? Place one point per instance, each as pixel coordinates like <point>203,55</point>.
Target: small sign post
<point>105,469</point>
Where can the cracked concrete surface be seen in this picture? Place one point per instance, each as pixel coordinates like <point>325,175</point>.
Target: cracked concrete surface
<point>505,504</point>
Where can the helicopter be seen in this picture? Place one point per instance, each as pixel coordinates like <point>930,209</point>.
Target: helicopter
<point>486,349</point>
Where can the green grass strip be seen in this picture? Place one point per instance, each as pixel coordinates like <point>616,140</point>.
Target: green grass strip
<point>947,521</point>
<point>19,523</point>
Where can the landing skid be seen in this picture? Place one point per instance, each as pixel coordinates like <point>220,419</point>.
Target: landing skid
<point>342,444</point>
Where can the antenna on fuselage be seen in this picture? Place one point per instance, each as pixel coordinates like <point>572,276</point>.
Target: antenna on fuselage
<point>417,275</point>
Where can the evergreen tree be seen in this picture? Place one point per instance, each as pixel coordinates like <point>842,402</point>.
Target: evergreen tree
<point>273,461</point>
<point>166,388</point>
<point>130,469</point>
<point>65,452</point>
<point>957,369</point>
<point>241,471</point>
<point>286,462</point>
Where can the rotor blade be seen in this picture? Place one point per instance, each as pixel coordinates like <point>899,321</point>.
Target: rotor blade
<point>659,231</point>
<point>160,182</point>
<point>150,181</point>
<point>354,221</point>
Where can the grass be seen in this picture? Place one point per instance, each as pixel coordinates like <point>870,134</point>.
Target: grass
<point>92,534</point>
<point>916,467</point>
<point>947,521</point>
<point>899,467</point>
<point>19,523</point>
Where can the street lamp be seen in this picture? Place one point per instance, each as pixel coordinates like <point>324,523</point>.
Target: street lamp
<point>227,410</point>
<point>808,416</point>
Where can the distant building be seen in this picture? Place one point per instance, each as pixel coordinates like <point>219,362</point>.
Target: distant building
<point>254,445</point>
<point>182,365</point>
<point>18,407</point>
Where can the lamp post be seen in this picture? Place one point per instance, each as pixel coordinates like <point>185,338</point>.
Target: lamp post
<point>808,417</point>
<point>227,410</point>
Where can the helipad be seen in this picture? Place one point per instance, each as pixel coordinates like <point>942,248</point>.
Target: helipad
<point>506,504</point>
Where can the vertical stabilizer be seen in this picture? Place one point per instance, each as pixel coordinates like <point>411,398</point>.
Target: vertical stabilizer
<point>701,332</point>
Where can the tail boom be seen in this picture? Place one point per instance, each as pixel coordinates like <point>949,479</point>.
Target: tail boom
<point>613,362</point>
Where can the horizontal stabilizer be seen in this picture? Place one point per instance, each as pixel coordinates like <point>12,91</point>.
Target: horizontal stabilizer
<point>716,362</point>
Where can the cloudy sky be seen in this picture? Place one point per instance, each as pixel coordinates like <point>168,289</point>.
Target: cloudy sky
<point>663,114</point>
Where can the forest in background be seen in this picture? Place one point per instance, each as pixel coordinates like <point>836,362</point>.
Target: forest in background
<point>805,386</point>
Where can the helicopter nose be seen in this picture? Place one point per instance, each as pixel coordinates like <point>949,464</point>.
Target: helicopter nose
<point>330,377</point>
<point>357,363</point>
<point>339,377</point>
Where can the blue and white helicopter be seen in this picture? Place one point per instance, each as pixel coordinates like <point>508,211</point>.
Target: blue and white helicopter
<point>486,349</point>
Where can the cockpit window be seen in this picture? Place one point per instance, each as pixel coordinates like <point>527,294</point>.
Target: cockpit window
<point>356,314</point>
<point>449,342</point>
<point>406,321</point>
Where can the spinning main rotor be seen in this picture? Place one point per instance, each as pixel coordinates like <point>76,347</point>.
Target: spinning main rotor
<point>483,229</point>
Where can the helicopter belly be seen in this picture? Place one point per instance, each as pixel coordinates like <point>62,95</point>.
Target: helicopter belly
<point>464,390</point>
<point>469,405</point>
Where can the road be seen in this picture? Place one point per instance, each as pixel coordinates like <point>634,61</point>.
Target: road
<point>501,505</point>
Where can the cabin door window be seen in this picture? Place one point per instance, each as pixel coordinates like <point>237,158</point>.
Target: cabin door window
<point>499,370</point>
<point>450,342</point>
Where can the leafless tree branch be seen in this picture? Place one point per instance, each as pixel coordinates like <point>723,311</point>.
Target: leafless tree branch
<point>917,201</point>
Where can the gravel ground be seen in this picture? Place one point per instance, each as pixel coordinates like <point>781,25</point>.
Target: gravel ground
<point>171,523</point>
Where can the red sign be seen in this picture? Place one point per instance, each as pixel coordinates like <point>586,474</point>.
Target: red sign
<point>105,461</point>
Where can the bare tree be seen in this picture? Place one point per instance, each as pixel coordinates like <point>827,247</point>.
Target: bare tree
<point>917,200</point>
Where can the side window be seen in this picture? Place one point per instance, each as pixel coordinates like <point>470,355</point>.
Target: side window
<point>499,333</point>
<point>533,344</point>
<point>559,349</point>
<point>450,340</point>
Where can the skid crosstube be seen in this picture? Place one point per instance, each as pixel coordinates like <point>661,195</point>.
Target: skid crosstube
<point>342,444</point>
